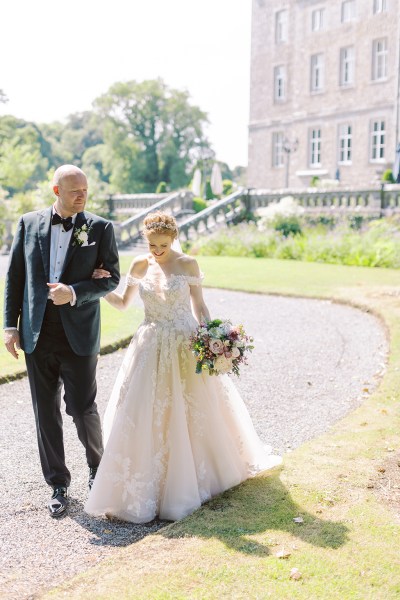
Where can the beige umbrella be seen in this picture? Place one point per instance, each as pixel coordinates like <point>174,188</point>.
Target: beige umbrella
<point>196,183</point>
<point>216,180</point>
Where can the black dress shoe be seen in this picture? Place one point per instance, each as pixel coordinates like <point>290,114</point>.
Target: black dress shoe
<point>59,502</point>
<point>92,475</point>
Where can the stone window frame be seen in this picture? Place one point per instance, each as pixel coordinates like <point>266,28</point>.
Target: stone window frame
<point>315,146</point>
<point>345,143</point>
<point>348,11</point>
<point>277,149</point>
<point>379,6</point>
<point>377,136</point>
<point>318,24</point>
<point>281,26</point>
<point>347,66</point>
<point>317,72</point>
<point>379,59</point>
<point>280,80</point>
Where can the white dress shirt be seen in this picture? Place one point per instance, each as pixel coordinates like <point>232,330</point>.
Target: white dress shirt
<point>59,244</point>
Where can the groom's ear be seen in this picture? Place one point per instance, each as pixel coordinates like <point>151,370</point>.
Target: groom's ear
<point>55,190</point>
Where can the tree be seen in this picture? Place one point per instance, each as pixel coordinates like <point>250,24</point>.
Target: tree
<point>22,154</point>
<point>69,142</point>
<point>152,131</point>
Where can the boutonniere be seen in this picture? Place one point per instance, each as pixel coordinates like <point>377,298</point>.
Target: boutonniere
<point>81,236</point>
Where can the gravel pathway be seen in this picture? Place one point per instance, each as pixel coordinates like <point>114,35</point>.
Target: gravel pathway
<point>312,364</point>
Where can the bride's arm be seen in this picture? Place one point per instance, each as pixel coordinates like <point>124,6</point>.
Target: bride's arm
<point>200,309</point>
<point>137,271</point>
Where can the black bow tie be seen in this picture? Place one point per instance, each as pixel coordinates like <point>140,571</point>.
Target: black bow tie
<point>66,223</point>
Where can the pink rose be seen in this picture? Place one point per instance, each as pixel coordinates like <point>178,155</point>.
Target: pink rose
<point>216,346</point>
<point>235,352</point>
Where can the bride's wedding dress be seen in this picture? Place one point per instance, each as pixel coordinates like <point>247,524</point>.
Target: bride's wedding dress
<point>174,438</point>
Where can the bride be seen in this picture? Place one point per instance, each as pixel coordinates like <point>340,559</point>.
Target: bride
<point>173,438</point>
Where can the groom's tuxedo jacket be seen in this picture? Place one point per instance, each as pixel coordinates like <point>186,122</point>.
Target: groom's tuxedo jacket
<point>26,291</point>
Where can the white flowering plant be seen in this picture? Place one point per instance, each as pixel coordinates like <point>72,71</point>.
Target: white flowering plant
<point>220,347</point>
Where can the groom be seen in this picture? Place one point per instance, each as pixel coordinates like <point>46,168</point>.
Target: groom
<point>52,311</point>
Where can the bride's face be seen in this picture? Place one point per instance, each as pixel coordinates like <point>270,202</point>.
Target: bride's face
<point>159,245</point>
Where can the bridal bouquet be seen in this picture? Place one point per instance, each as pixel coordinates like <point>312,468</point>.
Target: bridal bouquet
<point>220,347</point>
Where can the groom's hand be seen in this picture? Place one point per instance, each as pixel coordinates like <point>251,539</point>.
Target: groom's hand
<point>11,340</point>
<point>60,293</point>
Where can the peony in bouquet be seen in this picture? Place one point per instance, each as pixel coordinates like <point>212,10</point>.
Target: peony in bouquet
<point>220,347</point>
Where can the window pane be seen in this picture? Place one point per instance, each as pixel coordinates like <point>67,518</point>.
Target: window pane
<point>378,137</point>
<point>379,59</point>
<point>348,10</point>
<point>281,26</point>
<point>277,149</point>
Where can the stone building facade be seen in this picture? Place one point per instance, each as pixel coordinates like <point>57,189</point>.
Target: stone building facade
<point>325,89</point>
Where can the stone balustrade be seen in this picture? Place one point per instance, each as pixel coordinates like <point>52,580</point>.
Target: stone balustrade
<point>375,202</point>
<point>177,204</point>
<point>131,203</point>
<point>221,212</point>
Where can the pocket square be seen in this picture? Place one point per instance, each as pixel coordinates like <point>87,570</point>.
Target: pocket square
<point>85,245</point>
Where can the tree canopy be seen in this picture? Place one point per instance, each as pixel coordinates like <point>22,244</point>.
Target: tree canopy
<point>153,132</point>
<point>137,135</point>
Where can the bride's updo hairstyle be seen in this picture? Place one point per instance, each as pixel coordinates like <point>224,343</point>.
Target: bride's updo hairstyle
<point>159,222</point>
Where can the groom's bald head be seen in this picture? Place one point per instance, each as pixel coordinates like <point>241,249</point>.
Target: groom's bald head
<point>71,188</point>
<point>66,171</point>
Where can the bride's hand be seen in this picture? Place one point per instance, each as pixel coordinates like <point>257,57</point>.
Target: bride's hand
<point>100,273</point>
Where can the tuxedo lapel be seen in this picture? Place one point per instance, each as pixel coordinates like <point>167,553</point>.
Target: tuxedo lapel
<point>79,221</point>
<point>44,237</point>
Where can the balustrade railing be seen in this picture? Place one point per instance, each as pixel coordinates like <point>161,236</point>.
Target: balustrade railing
<point>129,203</point>
<point>177,204</point>
<point>221,212</point>
<point>370,202</point>
<point>320,201</point>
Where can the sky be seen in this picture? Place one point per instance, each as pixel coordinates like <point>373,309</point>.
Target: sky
<point>57,56</point>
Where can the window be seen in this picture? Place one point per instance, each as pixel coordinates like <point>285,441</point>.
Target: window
<point>277,149</point>
<point>315,148</point>
<point>378,135</point>
<point>380,6</point>
<point>379,59</point>
<point>317,72</point>
<point>347,66</point>
<point>279,83</point>
<point>281,26</point>
<point>317,19</point>
<point>345,139</point>
<point>348,11</point>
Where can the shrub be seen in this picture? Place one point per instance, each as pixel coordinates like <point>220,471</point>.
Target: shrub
<point>227,187</point>
<point>161,188</point>
<point>387,177</point>
<point>376,245</point>
<point>199,204</point>
<point>209,192</point>
<point>287,225</point>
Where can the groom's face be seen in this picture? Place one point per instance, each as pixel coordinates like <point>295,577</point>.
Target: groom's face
<point>71,194</point>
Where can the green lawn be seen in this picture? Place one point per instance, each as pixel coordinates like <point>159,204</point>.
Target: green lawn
<point>345,486</point>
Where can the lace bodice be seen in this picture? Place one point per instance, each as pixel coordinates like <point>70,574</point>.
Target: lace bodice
<point>167,300</point>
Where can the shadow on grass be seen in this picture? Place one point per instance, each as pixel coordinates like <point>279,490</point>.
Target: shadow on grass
<point>114,533</point>
<point>258,505</point>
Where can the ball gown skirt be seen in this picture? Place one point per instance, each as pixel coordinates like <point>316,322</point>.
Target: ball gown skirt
<point>173,438</point>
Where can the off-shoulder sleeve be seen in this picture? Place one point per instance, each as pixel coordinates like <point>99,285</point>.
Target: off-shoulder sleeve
<point>195,280</point>
<point>130,281</point>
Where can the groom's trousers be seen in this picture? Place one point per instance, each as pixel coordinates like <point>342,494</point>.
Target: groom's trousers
<point>51,365</point>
